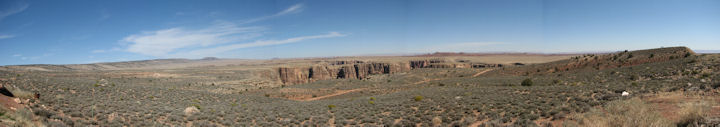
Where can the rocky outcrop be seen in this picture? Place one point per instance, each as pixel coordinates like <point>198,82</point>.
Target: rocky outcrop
<point>361,69</point>
<point>442,64</point>
<point>293,75</point>
<point>482,65</point>
<point>348,72</point>
<point>424,63</point>
<point>365,69</point>
<point>320,73</point>
<point>357,70</point>
<point>345,62</point>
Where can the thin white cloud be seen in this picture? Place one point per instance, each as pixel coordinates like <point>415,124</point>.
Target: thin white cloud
<point>17,55</point>
<point>160,43</point>
<point>34,57</point>
<point>13,10</point>
<point>104,15</point>
<point>292,9</point>
<point>105,51</point>
<point>185,43</point>
<point>297,8</point>
<point>6,36</point>
<point>98,51</point>
<point>225,48</point>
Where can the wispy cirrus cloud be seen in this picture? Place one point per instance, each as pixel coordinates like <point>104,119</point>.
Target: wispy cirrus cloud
<point>33,57</point>
<point>6,36</point>
<point>99,51</point>
<point>297,8</point>
<point>104,15</point>
<point>225,48</point>
<point>160,43</point>
<point>222,36</point>
<point>13,10</point>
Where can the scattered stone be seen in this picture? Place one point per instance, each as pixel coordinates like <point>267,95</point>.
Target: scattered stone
<point>190,111</point>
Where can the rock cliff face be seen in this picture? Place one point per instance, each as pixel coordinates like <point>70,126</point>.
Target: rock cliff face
<point>485,65</point>
<point>365,69</point>
<point>361,70</point>
<point>443,64</point>
<point>348,72</point>
<point>293,75</point>
<point>424,63</point>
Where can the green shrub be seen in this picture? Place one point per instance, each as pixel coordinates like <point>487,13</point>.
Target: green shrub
<point>706,75</point>
<point>527,82</point>
<point>371,102</point>
<point>196,106</point>
<point>557,81</point>
<point>418,98</point>
<point>635,77</point>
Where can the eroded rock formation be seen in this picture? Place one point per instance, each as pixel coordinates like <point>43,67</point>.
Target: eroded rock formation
<point>361,69</point>
<point>293,75</point>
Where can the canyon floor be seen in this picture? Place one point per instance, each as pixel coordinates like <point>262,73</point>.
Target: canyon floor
<point>655,87</point>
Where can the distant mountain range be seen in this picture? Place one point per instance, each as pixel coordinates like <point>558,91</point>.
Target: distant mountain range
<point>707,51</point>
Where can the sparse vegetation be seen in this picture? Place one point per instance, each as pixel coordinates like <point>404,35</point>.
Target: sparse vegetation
<point>22,94</point>
<point>577,94</point>
<point>692,113</point>
<point>527,82</point>
<point>418,98</point>
<point>623,113</point>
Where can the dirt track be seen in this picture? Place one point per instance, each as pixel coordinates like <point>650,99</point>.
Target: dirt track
<point>482,72</point>
<point>340,92</point>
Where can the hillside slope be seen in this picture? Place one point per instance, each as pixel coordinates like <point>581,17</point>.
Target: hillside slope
<point>602,61</point>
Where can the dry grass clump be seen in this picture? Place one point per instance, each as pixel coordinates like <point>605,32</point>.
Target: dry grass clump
<point>692,112</point>
<point>22,94</point>
<point>623,113</point>
<point>20,118</point>
<point>692,108</point>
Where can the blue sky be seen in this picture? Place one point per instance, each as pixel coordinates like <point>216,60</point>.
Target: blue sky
<point>74,32</point>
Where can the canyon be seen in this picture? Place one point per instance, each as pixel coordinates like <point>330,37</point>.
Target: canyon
<point>362,69</point>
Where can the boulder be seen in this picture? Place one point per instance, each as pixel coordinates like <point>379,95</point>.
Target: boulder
<point>191,111</point>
